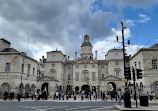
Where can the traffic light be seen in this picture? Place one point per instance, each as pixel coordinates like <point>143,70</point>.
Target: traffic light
<point>128,73</point>
<point>139,74</point>
<point>133,71</point>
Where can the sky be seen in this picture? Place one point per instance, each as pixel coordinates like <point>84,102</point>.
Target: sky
<point>39,26</point>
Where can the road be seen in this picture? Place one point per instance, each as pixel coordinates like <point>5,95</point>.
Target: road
<point>57,106</point>
<point>60,106</point>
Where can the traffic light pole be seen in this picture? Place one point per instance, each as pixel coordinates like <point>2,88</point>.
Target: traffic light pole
<point>134,79</point>
<point>123,44</point>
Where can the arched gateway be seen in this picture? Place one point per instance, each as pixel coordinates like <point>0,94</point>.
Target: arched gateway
<point>86,88</point>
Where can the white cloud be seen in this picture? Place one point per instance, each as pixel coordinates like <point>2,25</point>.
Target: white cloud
<point>143,18</point>
<point>130,23</point>
<point>102,47</point>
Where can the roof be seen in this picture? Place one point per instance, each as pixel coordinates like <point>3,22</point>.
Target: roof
<point>154,46</point>
<point>9,50</point>
<point>5,40</point>
<point>86,44</point>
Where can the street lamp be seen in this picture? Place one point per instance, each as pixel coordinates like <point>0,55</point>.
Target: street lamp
<point>123,45</point>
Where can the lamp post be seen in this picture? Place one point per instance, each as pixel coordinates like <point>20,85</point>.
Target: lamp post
<point>123,45</point>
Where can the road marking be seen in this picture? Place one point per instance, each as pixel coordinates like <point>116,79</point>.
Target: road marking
<point>78,107</point>
<point>56,107</point>
<point>102,108</point>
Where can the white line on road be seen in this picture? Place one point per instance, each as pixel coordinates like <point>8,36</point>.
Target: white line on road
<point>102,108</point>
<point>78,107</point>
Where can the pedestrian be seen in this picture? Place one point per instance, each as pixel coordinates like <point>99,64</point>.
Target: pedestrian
<point>56,95</point>
<point>19,96</point>
<point>106,96</point>
<point>94,94</point>
<point>82,95</point>
<point>5,95</point>
<point>151,96</point>
<point>62,95</point>
<point>103,96</point>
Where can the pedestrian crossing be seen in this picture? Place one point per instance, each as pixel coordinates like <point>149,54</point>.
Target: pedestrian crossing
<point>68,108</point>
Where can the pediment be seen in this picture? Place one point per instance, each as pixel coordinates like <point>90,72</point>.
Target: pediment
<point>86,61</point>
<point>112,78</point>
<point>46,79</point>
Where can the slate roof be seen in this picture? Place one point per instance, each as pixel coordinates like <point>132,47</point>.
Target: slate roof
<point>9,50</point>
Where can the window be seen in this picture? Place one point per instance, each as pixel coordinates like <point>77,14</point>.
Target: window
<point>7,67</point>
<point>117,74</point>
<point>102,67</point>
<point>116,54</point>
<point>22,69</point>
<point>68,77</point>
<point>77,76</point>
<point>77,66</point>
<point>53,65</point>
<point>103,76</point>
<point>33,71</point>
<point>154,63</point>
<point>42,75</point>
<point>139,65</point>
<point>135,63</point>
<point>42,65</point>
<point>85,66</point>
<point>28,69</point>
<point>93,76</point>
<point>116,63</point>
<point>69,67</point>
<point>53,74</point>
<point>93,66</point>
<point>156,88</point>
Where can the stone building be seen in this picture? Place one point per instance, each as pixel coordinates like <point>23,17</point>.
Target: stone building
<point>18,72</point>
<point>147,60</point>
<point>85,72</point>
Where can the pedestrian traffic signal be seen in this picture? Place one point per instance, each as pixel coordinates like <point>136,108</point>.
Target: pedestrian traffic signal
<point>139,74</point>
<point>128,73</point>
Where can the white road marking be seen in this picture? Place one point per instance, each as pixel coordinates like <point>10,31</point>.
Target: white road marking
<point>102,108</point>
<point>78,107</point>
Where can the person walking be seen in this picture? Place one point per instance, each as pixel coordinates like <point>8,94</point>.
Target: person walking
<point>103,96</point>
<point>62,95</point>
<point>94,94</point>
<point>56,95</point>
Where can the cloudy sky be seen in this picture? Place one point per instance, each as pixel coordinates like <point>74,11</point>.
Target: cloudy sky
<point>62,24</point>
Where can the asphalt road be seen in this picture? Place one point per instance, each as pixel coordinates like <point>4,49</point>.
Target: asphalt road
<point>57,106</point>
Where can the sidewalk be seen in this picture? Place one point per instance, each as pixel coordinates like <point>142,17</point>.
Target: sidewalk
<point>133,107</point>
<point>69,100</point>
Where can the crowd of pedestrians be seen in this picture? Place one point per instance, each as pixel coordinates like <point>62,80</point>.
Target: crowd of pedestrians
<point>59,95</point>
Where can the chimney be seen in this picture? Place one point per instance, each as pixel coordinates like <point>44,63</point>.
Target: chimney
<point>43,59</point>
<point>68,58</point>
<point>75,55</point>
<point>95,54</point>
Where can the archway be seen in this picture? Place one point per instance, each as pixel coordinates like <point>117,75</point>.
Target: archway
<point>44,87</point>
<point>113,86</point>
<point>5,87</point>
<point>76,89</point>
<point>86,88</point>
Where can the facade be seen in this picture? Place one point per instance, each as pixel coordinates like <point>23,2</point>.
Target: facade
<point>147,60</point>
<point>18,72</point>
<point>85,72</point>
